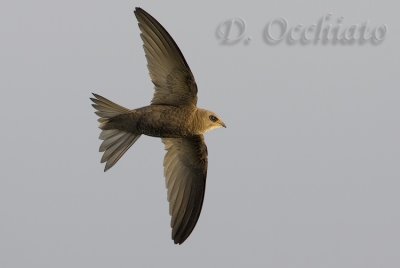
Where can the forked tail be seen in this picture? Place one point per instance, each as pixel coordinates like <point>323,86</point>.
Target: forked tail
<point>115,141</point>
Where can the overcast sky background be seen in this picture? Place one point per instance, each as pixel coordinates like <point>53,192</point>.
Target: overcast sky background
<point>306,174</point>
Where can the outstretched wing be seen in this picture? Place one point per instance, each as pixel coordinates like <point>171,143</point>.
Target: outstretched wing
<point>185,170</point>
<point>174,82</point>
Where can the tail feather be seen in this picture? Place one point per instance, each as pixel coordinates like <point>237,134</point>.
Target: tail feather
<point>107,143</point>
<point>116,151</point>
<point>106,109</point>
<point>115,142</point>
<point>104,105</point>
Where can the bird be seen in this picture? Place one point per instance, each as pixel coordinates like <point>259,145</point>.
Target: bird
<point>173,116</point>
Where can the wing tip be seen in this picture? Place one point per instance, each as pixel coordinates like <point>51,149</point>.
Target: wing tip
<point>139,11</point>
<point>180,235</point>
<point>178,241</point>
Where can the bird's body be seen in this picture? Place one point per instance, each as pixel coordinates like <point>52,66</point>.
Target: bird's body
<point>172,116</point>
<point>162,121</point>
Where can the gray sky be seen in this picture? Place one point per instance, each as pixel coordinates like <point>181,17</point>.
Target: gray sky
<point>306,174</point>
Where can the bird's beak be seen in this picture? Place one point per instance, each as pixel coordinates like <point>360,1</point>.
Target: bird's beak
<point>222,124</point>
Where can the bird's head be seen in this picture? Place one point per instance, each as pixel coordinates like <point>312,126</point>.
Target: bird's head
<point>208,121</point>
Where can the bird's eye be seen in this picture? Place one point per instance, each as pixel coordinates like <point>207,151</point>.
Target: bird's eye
<point>213,118</point>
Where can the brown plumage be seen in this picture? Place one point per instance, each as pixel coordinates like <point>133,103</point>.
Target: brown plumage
<point>173,117</point>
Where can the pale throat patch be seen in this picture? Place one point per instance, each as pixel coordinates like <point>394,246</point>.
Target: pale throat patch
<point>213,127</point>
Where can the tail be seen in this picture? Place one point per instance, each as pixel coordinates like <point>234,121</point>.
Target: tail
<point>115,141</point>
